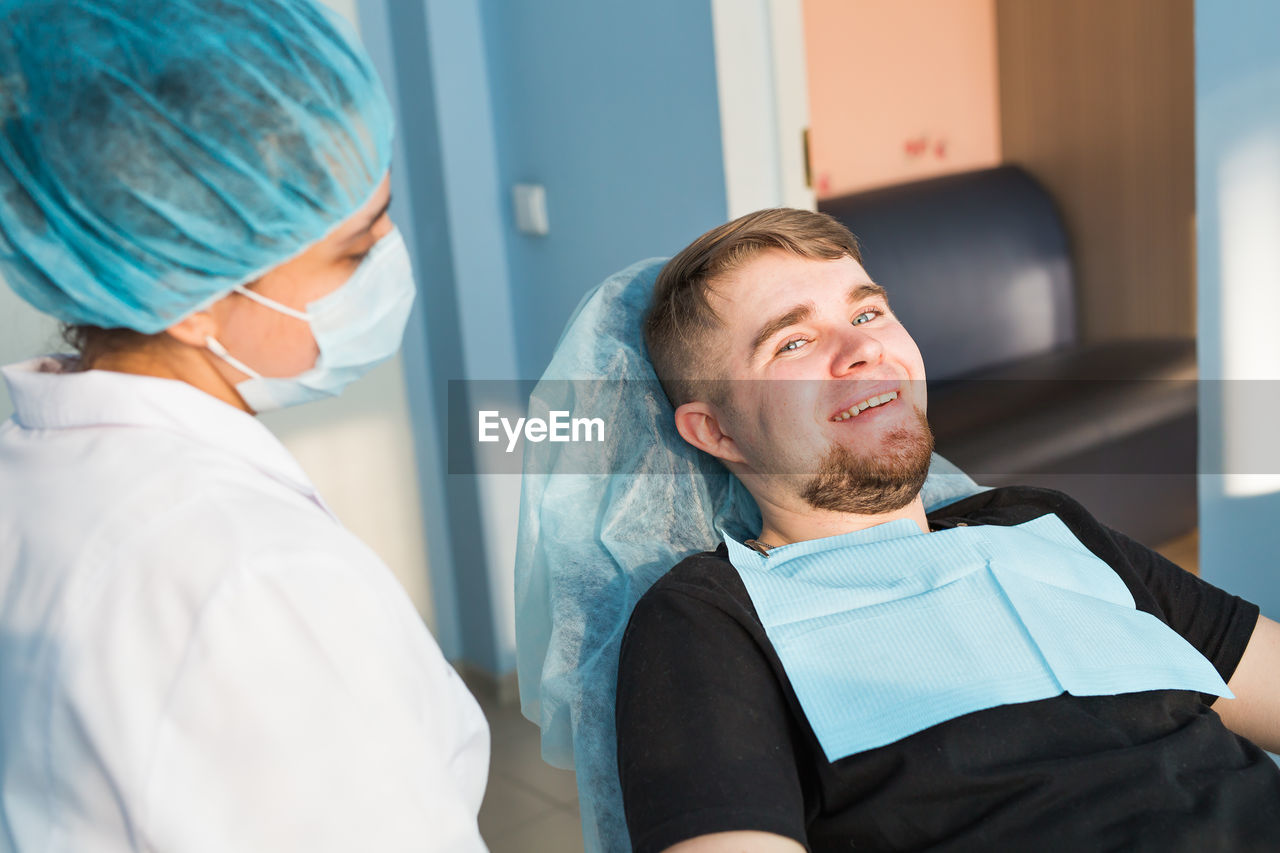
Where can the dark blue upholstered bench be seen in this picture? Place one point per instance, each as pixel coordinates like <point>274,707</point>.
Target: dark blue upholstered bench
<point>978,267</point>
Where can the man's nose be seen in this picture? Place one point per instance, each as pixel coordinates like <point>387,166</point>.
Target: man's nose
<point>857,349</point>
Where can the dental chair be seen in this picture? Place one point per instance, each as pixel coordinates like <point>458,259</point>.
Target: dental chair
<point>599,523</point>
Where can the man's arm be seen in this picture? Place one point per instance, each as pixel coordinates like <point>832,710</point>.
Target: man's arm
<point>1216,623</point>
<point>1255,712</point>
<point>1222,627</point>
<point>737,842</point>
<point>706,755</point>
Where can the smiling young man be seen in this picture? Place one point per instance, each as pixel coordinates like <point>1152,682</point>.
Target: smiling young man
<point>1001,674</point>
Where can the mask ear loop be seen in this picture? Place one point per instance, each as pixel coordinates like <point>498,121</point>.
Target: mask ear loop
<point>221,352</point>
<point>272,304</point>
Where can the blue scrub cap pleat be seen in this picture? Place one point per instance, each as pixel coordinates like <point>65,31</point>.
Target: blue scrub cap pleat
<point>156,153</point>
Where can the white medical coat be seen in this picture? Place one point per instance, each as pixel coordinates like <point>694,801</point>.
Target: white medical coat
<point>194,654</point>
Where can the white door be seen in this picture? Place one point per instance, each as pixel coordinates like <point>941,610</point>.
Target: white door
<point>764,103</point>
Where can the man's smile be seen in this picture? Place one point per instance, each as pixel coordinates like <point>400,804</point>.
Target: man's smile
<point>875,400</point>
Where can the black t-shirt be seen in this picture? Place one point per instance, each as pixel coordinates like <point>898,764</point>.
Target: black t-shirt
<point>711,737</point>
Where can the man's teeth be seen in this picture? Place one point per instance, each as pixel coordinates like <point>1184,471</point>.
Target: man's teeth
<point>869,403</point>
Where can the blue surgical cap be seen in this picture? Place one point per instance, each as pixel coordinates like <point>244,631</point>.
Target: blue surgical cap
<point>156,153</point>
<point>590,544</point>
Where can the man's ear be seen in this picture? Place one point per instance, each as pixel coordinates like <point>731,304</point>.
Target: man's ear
<point>699,424</point>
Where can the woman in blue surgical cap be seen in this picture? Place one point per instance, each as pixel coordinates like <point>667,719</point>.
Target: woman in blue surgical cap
<point>194,654</point>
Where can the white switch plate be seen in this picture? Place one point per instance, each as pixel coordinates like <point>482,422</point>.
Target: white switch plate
<point>531,209</point>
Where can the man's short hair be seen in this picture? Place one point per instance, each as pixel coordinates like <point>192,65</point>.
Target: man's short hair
<point>678,327</point>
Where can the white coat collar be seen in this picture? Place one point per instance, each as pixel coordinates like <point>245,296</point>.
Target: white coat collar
<point>45,396</point>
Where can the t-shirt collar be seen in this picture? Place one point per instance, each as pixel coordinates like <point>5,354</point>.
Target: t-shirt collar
<point>741,554</point>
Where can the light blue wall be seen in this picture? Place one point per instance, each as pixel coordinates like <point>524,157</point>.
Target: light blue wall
<point>612,107</point>
<point>398,37</point>
<point>1238,213</point>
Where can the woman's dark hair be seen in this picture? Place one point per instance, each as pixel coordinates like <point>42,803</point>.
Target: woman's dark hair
<point>92,343</point>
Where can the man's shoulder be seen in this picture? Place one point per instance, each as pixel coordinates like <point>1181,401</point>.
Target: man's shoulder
<point>705,572</point>
<point>705,579</point>
<point>1013,505</point>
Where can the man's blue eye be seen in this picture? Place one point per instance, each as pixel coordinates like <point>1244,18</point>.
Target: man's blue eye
<point>792,346</point>
<point>870,315</point>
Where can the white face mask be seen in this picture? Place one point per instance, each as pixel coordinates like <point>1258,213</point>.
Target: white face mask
<point>357,327</point>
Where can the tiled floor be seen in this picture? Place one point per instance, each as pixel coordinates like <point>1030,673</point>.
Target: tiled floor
<point>530,807</point>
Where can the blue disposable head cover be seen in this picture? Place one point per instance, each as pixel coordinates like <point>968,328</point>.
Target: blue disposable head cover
<point>590,544</point>
<point>156,153</point>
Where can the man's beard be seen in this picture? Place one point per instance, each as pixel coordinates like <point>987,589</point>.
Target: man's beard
<point>886,481</point>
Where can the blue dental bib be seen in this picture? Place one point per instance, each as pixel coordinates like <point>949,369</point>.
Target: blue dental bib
<point>887,631</point>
